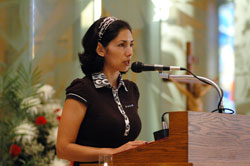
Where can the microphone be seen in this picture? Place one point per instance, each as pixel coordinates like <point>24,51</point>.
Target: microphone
<point>138,67</point>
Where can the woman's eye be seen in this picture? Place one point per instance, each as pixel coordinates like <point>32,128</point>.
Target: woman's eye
<point>132,44</point>
<point>121,45</point>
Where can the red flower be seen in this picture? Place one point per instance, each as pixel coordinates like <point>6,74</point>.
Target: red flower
<point>58,118</point>
<point>15,150</point>
<point>57,110</point>
<point>41,120</point>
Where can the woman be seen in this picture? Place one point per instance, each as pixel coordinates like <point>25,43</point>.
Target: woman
<point>100,112</point>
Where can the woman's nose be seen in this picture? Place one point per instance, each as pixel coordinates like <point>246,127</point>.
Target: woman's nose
<point>129,51</point>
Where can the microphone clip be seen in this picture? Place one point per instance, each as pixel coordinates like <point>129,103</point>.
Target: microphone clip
<point>165,130</point>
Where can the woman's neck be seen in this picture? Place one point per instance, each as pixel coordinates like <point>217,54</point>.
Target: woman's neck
<point>112,77</point>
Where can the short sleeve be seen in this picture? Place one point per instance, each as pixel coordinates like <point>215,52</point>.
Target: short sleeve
<point>77,90</point>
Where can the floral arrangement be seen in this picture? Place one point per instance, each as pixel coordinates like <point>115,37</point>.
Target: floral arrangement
<point>36,136</point>
<point>29,118</point>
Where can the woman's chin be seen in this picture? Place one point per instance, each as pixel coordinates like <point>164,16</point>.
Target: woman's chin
<point>124,71</point>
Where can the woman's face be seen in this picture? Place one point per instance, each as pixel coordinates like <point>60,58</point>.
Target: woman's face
<point>119,51</point>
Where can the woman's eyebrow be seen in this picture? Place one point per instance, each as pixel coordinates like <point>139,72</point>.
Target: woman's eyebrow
<point>127,40</point>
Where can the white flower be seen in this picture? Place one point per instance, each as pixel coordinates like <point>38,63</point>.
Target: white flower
<point>26,132</point>
<point>58,110</point>
<point>50,155</point>
<point>30,102</point>
<point>52,112</point>
<point>33,148</point>
<point>51,107</point>
<point>33,110</point>
<point>51,139</point>
<point>46,92</point>
<point>59,162</point>
<point>46,159</point>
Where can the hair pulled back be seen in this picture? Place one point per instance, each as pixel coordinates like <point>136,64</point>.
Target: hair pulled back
<point>90,61</point>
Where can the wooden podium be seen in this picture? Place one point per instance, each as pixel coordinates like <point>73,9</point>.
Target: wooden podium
<point>195,138</point>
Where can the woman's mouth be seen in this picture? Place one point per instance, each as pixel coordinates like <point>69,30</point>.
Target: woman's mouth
<point>127,63</point>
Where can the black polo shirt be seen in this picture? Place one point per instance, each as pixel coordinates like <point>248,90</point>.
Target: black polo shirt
<point>111,118</point>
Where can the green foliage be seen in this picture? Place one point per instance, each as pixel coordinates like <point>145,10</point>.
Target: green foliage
<point>29,118</point>
<point>16,84</point>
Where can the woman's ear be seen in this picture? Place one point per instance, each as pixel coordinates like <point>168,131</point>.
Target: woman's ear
<point>100,50</point>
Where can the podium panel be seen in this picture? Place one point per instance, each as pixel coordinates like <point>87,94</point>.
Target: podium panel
<point>197,137</point>
<point>140,164</point>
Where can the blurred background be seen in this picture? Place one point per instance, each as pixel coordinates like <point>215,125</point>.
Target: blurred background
<point>210,37</point>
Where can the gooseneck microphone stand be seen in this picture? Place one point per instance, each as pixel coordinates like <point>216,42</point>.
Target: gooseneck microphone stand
<point>138,67</point>
<point>221,108</point>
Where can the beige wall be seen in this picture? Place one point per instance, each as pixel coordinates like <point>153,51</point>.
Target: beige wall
<point>242,54</point>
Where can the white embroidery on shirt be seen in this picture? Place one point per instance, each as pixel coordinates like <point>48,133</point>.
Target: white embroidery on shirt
<point>117,100</point>
<point>100,80</point>
<point>129,106</point>
<point>72,94</point>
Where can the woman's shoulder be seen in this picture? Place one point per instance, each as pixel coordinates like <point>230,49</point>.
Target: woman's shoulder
<point>79,89</point>
<point>79,83</point>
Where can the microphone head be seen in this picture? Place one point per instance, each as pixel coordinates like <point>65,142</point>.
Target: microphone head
<point>137,67</point>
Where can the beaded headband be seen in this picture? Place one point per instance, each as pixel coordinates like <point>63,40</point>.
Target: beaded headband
<point>104,25</point>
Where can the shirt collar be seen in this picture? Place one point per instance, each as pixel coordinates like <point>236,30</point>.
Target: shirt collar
<point>100,80</point>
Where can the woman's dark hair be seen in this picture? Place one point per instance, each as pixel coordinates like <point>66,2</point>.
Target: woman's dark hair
<point>90,61</point>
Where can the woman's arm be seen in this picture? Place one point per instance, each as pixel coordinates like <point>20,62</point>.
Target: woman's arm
<point>72,117</point>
